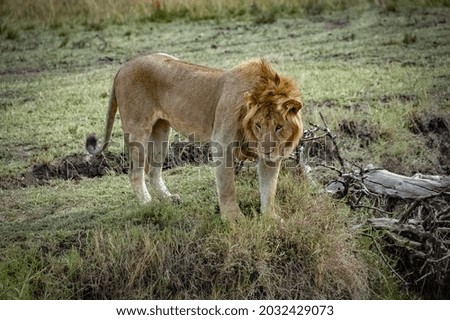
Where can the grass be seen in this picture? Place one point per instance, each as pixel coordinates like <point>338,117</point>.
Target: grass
<point>97,13</point>
<point>385,70</point>
<point>117,250</point>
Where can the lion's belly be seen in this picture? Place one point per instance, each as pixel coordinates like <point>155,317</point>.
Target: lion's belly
<point>190,113</point>
<point>196,129</point>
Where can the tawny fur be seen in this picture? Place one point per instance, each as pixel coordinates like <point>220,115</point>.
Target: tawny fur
<point>249,111</point>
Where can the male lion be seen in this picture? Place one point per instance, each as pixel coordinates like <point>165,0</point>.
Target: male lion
<point>247,112</point>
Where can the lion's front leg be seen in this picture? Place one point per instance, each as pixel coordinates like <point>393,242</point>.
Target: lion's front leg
<point>229,208</point>
<point>268,178</point>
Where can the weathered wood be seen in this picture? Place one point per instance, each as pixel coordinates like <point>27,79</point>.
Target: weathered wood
<point>386,183</point>
<point>412,217</point>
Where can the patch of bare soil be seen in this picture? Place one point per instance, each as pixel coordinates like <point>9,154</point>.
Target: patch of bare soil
<point>182,153</point>
<point>21,71</point>
<point>402,97</point>
<point>79,165</point>
<point>327,103</point>
<point>74,167</point>
<point>364,131</point>
<point>436,129</point>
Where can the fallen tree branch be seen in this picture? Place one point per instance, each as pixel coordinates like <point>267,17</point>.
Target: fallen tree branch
<point>415,214</point>
<point>386,183</point>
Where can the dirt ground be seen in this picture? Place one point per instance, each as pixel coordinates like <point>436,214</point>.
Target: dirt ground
<point>82,165</point>
<point>435,129</point>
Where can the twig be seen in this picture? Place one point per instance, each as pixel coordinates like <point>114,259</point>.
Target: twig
<point>408,212</point>
<point>371,208</point>
<point>315,137</point>
<point>384,258</point>
<point>331,168</point>
<point>332,137</point>
<point>440,259</point>
<point>445,214</point>
<point>423,277</point>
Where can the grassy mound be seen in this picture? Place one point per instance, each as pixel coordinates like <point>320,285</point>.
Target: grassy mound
<point>186,252</point>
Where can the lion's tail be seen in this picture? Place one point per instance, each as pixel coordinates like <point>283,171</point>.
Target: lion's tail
<point>91,141</point>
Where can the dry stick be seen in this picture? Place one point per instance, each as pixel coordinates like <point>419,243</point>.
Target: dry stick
<point>444,214</point>
<point>407,213</point>
<point>316,137</point>
<point>327,133</point>
<point>359,206</point>
<point>416,202</point>
<point>308,135</point>
<point>331,168</point>
<point>384,258</point>
<point>440,259</point>
<point>332,137</point>
<point>423,277</point>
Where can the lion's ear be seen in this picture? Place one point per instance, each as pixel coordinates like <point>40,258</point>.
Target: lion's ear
<point>293,106</point>
<point>277,79</point>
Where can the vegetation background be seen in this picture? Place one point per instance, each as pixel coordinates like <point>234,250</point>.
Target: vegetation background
<point>378,71</point>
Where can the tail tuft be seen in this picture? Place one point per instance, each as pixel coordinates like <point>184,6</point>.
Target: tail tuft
<point>91,144</point>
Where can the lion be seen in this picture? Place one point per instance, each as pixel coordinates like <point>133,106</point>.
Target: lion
<point>246,112</point>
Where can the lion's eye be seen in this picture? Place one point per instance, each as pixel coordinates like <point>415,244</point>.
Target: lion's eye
<point>278,128</point>
<point>258,126</point>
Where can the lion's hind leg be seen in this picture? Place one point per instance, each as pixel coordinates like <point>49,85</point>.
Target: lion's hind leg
<point>137,149</point>
<point>159,143</point>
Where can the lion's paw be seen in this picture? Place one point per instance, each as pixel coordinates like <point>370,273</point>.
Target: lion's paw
<point>232,216</point>
<point>176,199</point>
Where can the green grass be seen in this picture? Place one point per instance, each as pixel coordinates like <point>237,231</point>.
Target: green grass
<point>112,248</point>
<point>382,69</point>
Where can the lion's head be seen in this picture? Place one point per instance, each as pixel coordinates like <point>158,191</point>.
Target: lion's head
<point>271,121</point>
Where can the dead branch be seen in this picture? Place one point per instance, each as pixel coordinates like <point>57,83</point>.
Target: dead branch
<point>415,221</point>
<point>390,184</point>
